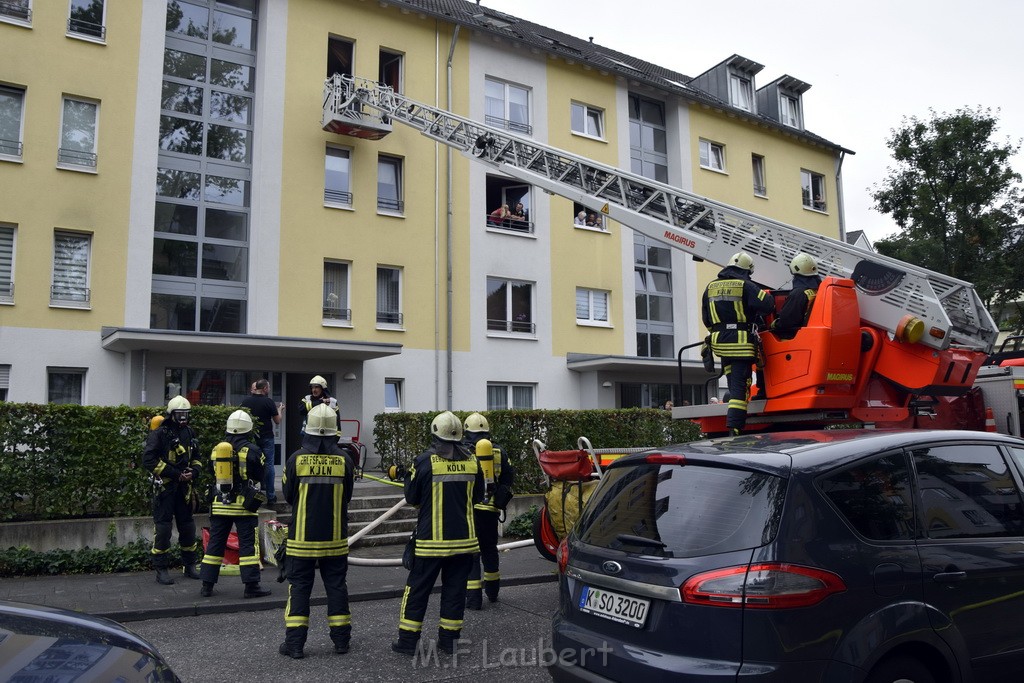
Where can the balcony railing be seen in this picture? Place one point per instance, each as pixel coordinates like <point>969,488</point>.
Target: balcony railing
<point>337,197</point>
<point>87,28</point>
<point>76,157</point>
<point>16,10</point>
<point>392,205</point>
<point>340,314</point>
<point>513,224</point>
<point>516,326</point>
<point>389,318</point>
<point>760,190</point>
<point>506,124</point>
<point>64,293</point>
<point>11,147</point>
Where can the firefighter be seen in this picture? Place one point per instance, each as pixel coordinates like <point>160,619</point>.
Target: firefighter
<point>238,466</point>
<point>498,476</point>
<point>796,309</point>
<point>730,308</point>
<point>318,394</point>
<point>443,483</point>
<point>317,483</point>
<point>172,456</point>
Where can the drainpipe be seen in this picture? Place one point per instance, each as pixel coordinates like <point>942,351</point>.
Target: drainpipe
<point>839,195</point>
<point>448,239</point>
<point>143,395</point>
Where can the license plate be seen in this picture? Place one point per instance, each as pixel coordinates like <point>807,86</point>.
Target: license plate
<point>615,606</point>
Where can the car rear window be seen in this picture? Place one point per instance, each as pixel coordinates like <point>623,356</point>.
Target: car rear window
<point>682,511</point>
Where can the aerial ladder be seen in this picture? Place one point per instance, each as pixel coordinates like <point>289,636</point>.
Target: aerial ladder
<point>885,337</point>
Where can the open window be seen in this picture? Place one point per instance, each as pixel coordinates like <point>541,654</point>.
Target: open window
<point>509,205</point>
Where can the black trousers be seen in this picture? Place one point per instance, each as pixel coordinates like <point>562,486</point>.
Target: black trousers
<point>486,523</point>
<point>454,571</point>
<point>738,372</point>
<point>301,574</point>
<point>170,506</point>
<point>248,560</point>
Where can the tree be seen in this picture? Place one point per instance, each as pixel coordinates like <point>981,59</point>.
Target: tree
<point>957,202</point>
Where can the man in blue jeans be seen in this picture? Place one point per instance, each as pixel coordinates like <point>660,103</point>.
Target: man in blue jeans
<point>269,414</point>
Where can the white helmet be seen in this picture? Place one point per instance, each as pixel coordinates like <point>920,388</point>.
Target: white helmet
<point>803,264</point>
<point>476,423</point>
<point>178,408</point>
<point>446,426</point>
<point>742,259</point>
<point>239,422</point>
<point>322,421</point>
<point>318,381</point>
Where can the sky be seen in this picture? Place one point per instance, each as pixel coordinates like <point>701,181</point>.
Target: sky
<point>870,63</point>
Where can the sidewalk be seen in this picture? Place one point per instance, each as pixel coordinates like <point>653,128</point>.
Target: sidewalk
<point>137,596</point>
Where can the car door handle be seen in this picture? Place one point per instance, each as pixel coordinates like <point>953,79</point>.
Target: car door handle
<point>949,577</point>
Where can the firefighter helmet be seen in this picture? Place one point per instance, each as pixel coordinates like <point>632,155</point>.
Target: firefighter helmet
<point>446,426</point>
<point>476,423</point>
<point>803,264</point>
<point>322,421</point>
<point>318,381</point>
<point>178,408</point>
<point>239,422</point>
<point>742,259</point>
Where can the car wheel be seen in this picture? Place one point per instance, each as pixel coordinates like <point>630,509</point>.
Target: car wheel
<point>544,537</point>
<point>900,670</point>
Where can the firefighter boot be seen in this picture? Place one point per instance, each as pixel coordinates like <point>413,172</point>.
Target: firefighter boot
<point>474,599</point>
<point>406,643</point>
<point>341,636</point>
<point>163,577</point>
<point>255,590</point>
<point>446,639</point>
<point>491,588</point>
<point>207,590</point>
<point>190,571</point>
<point>294,641</point>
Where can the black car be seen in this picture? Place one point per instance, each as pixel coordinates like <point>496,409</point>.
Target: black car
<point>44,644</point>
<point>837,556</point>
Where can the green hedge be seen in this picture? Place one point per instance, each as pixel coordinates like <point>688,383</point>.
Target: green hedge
<point>400,437</point>
<point>68,461</point>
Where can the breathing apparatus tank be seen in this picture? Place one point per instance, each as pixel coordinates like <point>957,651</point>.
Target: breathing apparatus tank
<point>223,469</point>
<point>485,456</point>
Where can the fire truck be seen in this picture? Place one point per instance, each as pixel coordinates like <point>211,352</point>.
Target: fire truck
<point>888,344</point>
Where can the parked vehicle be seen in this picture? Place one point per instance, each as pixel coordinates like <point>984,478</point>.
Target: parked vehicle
<point>47,644</point>
<point>839,556</point>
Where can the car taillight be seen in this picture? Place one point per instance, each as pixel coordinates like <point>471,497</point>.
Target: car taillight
<point>664,459</point>
<point>770,585</point>
<point>562,555</point>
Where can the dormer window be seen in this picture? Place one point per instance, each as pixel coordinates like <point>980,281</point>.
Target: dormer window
<point>789,110</point>
<point>741,92</point>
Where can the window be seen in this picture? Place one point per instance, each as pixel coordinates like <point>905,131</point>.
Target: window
<point>582,217</point>
<point>591,306</point>
<point>757,166</point>
<point>12,103</point>
<point>653,285</point>
<point>336,288</point>
<point>5,381</point>
<point>812,188</point>
<point>86,18</point>
<point>587,120</point>
<point>337,177</point>
<point>503,192</point>
<point>6,264</point>
<point>18,10</point>
<point>507,106</point>
<point>339,56</point>
<point>789,111</point>
<point>392,395</point>
<point>874,497</point>
<point>967,491</point>
<point>390,72</point>
<point>741,94</point>
<point>510,396</point>
<point>65,385</point>
<point>389,184</point>
<point>389,296</point>
<point>510,306</point>
<point>712,155</point>
<point>648,141</point>
<point>78,134</point>
<point>70,284</point>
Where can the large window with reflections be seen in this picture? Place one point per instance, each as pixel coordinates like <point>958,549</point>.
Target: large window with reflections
<point>203,184</point>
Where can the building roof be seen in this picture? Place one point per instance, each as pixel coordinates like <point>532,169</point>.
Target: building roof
<point>604,59</point>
